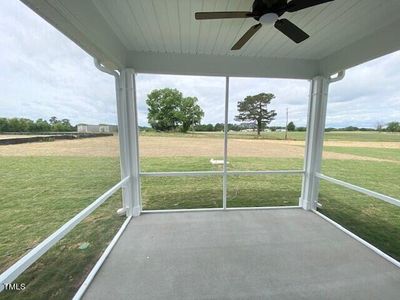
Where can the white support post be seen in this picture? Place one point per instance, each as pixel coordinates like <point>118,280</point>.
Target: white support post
<point>225,169</point>
<point>128,134</point>
<point>314,141</point>
<point>122,137</point>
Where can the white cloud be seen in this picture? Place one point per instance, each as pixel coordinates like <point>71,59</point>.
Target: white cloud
<point>43,73</point>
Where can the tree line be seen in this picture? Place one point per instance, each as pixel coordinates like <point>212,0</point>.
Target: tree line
<point>168,110</point>
<point>389,127</point>
<point>40,125</point>
<point>239,127</point>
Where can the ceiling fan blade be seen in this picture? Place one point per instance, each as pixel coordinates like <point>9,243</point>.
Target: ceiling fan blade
<point>247,36</point>
<point>222,15</point>
<point>296,5</point>
<point>291,31</point>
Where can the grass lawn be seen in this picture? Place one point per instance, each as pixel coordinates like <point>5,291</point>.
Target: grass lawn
<point>59,273</point>
<point>375,221</point>
<point>39,194</point>
<point>188,163</point>
<point>362,136</point>
<point>355,136</point>
<point>382,153</point>
<point>382,177</point>
<point>206,192</point>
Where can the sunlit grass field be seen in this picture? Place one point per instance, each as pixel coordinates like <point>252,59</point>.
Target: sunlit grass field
<point>354,136</point>
<point>39,194</point>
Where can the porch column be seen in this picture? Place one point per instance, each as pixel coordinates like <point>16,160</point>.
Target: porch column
<point>128,135</point>
<point>314,141</point>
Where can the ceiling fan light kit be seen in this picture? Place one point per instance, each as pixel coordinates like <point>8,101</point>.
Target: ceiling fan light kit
<point>267,12</point>
<point>269,19</point>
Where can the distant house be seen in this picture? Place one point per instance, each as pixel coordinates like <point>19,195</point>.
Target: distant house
<point>101,128</point>
<point>250,125</point>
<point>247,130</point>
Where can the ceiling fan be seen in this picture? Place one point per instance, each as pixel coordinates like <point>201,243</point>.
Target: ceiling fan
<point>266,12</point>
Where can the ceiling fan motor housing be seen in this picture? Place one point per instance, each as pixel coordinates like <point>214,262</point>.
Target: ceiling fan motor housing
<point>263,7</point>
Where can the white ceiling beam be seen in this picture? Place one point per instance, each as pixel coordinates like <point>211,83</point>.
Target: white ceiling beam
<point>214,65</point>
<point>384,41</point>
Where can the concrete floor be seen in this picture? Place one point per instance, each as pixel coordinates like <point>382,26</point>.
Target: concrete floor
<point>258,254</point>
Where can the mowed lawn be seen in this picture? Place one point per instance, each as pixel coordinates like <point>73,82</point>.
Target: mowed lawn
<point>39,194</point>
<point>354,136</point>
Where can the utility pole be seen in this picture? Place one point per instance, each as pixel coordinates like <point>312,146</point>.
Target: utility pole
<point>287,120</point>
<point>193,120</point>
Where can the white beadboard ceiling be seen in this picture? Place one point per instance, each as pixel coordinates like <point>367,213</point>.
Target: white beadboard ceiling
<point>163,36</point>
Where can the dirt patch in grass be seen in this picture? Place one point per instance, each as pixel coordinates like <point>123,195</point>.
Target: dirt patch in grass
<point>156,146</point>
<point>97,147</point>
<point>380,145</point>
<point>9,136</point>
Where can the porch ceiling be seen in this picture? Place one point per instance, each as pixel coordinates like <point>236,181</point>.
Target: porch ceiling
<point>162,36</point>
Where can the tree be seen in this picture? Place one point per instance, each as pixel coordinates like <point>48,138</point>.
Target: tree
<point>168,110</point>
<point>379,126</point>
<point>3,125</point>
<point>53,120</point>
<point>301,128</point>
<point>219,127</point>
<point>291,127</point>
<point>254,108</point>
<point>27,125</point>
<point>19,125</point>
<point>393,127</point>
<point>42,125</point>
<point>190,113</point>
<point>350,128</point>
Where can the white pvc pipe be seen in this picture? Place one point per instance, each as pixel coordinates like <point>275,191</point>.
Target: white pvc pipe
<point>100,67</point>
<point>183,210</point>
<point>181,174</point>
<point>225,167</point>
<point>264,208</point>
<point>340,76</point>
<point>359,189</point>
<point>273,172</point>
<point>32,256</point>
<point>215,173</point>
<point>123,161</point>
<point>101,260</point>
<point>356,237</point>
<point>158,211</point>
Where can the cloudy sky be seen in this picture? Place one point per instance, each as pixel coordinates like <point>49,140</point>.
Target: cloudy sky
<point>43,74</point>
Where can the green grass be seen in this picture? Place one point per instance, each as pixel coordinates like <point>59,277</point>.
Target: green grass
<point>59,273</point>
<point>206,192</point>
<point>382,177</point>
<point>264,190</point>
<point>38,194</point>
<point>356,136</point>
<point>381,153</point>
<point>362,136</point>
<point>188,163</point>
<point>375,221</point>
